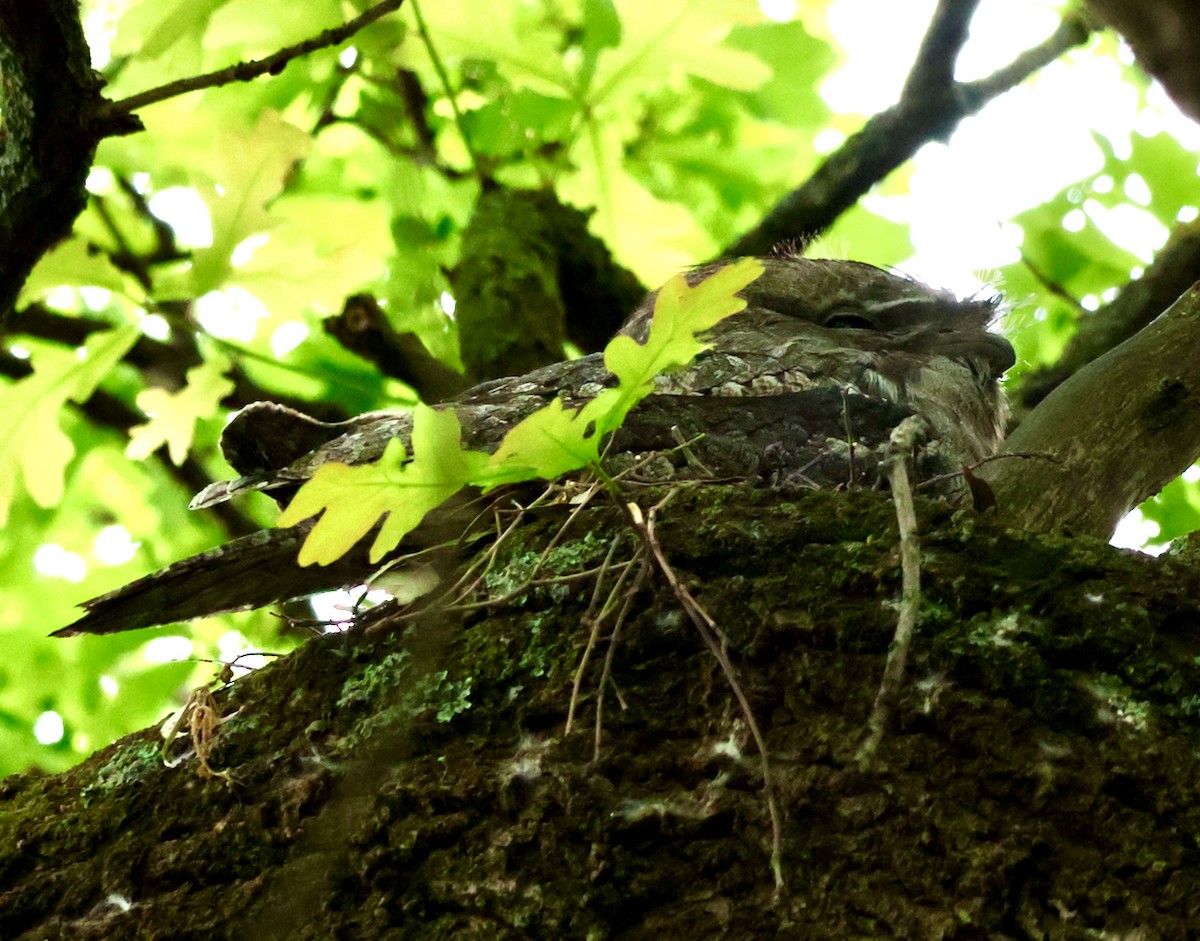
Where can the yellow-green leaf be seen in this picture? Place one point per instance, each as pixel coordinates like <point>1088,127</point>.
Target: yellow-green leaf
<point>74,264</point>
<point>547,444</point>
<point>352,499</point>
<point>173,415</point>
<point>252,167</point>
<point>31,442</point>
<point>680,312</point>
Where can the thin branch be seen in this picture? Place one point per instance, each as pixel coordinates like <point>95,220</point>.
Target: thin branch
<point>448,91</point>
<point>900,448</point>
<point>714,640</point>
<point>325,114</point>
<point>606,670</point>
<point>891,137</point>
<point>930,482</point>
<point>168,361</point>
<point>417,155</point>
<point>1053,287</point>
<point>246,71</point>
<point>933,69</point>
<point>594,634</point>
<point>412,93</point>
<point>1073,30</point>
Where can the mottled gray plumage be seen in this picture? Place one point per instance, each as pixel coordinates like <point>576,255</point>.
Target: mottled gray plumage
<point>802,388</point>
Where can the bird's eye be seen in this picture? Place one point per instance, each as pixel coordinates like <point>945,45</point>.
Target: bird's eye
<point>848,320</point>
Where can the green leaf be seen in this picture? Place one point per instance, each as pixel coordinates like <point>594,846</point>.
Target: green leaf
<point>74,264</point>
<point>667,37</point>
<point>680,312</point>
<point>798,61</point>
<point>251,171</point>
<point>550,442</point>
<point>31,441</point>
<point>352,499</point>
<point>153,28</point>
<point>1175,508</point>
<point>601,30</point>
<point>1168,168</point>
<point>173,415</point>
<point>554,441</point>
<point>323,249</point>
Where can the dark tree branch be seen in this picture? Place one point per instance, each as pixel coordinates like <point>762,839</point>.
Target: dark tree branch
<point>54,116</point>
<point>363,328</point>
<point>246,71</point>
<point>418,154</point>
<point>416,101</point>
<point>933,70</point>
<point>926,111</point>
<point>49,98</point>
<point>1163,34</point>
<point>162,363</point>
<point>1123,427</point>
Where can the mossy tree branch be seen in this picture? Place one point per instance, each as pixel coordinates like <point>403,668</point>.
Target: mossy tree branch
<point>50,99</point>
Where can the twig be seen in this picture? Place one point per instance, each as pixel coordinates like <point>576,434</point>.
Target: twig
<point>447,90</point>
<point>1023,455</point>
<point>1052,286</point>
<point>593,634</point>
<point>417,155</point>
<point>461,605</point>
<point>900,446</point>
<point>246,71</point>
<point>684,445</point>
<point>606,675</point>
<point>166,249</point>
<point>849,434</point>
<point>454,597</point>
<point>714,639</point>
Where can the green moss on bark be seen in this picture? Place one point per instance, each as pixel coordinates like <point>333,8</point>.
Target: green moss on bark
<point>1040,777</point>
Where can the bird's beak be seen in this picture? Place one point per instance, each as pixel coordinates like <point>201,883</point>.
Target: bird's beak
<point>990,356</point>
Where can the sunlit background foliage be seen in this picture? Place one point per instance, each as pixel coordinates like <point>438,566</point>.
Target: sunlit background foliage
<point>680,122</point>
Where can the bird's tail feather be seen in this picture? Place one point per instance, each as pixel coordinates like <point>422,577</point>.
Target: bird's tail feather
<point>249,572</point>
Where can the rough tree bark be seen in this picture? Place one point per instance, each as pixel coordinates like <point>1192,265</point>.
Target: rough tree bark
<point>1039,781</point>
<point>1139,398</point>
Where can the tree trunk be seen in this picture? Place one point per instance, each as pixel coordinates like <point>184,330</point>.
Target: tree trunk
<point>1040,779</point>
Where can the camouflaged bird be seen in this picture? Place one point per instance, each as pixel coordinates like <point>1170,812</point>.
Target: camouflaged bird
<point>801,389</point>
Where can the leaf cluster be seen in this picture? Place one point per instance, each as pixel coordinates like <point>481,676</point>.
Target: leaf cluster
<point>551,442</point>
